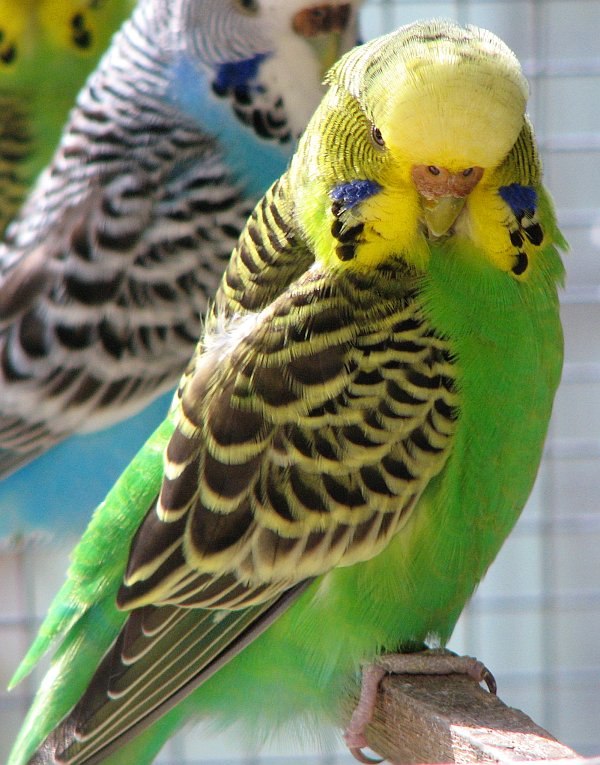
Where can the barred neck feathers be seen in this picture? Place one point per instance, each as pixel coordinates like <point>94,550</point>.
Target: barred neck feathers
<point>136,65</point>
<point>216,80</point>
<point>217,32</point>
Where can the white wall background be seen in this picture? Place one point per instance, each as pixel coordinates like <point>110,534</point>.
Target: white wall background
<point>535,620</point>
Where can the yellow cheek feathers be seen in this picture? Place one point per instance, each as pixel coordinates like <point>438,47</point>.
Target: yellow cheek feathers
<point>389,224</point>
<point>487,223</point>
<point>369,223</point>
<point>392,229</point>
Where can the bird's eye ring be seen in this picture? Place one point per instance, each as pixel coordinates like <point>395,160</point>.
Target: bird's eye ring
<point>467,172</point>
<point>376,136</point>
<point>433,169</point>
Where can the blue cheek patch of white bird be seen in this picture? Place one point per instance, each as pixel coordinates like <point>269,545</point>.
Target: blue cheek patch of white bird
<point>238,74</point>
<point>252,160</point>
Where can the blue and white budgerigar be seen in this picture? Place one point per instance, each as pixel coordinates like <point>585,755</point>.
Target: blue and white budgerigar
<point>106,274</point>
<point>356,435</point>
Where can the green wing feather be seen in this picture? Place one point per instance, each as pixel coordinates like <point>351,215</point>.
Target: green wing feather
<point>92,578</point>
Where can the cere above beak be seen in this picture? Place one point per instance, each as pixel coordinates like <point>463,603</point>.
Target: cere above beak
<point>443,194</point>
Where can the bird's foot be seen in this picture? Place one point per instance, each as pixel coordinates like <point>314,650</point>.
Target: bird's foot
<point>354,735</point>
<point>430,662</point>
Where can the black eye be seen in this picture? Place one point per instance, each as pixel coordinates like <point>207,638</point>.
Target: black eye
<point>467,172</point>
<point>376,136</point>
<point>250,6</point>
<point>433,169</point>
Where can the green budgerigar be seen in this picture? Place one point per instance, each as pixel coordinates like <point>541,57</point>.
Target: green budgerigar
<point>356,435</point>
<point>47,48</point>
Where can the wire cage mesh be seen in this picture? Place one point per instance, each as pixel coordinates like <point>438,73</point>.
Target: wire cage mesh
<point>535,619</point>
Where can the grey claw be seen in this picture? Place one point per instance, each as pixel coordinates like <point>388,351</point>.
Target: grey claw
<point>490,681</point>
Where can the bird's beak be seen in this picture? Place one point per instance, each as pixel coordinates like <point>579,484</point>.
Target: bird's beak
<point>443,194</point>
<point>324,27</point>
<point>440,214</point>
<point>328,48</point>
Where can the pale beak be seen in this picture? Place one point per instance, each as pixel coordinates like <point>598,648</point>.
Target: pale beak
<point>328,48</point>
<point>440,214</point>
<point>443,194</point>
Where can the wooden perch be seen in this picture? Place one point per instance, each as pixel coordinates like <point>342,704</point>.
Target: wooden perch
<point>434,719</point>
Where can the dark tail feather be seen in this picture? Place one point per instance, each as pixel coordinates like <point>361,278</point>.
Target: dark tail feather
<point>160,657</point>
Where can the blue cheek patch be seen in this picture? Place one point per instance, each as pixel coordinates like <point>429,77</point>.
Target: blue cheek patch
<point>348,195</point>
<point>254,162</point>
<point>345,196</point>
<point>520,199</point>
<point>238,74</point>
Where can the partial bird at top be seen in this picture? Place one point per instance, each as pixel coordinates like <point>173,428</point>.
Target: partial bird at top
<point>47,49</point>
<point>107,272</point>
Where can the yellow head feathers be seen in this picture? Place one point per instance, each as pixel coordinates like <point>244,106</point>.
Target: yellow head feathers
<point>439,93</point>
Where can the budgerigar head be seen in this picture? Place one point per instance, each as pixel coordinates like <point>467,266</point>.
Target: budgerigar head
<point>415,127</point>
<point>441,92</point>
<point>288,44</point>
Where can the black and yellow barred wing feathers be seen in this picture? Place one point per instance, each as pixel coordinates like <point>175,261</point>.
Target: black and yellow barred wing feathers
<point>319,405</point>
<point>307,430</point>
